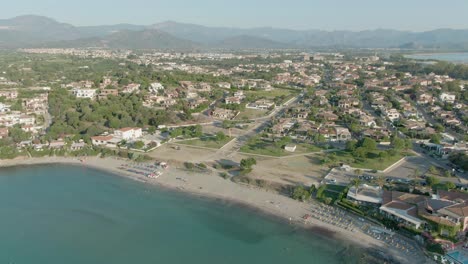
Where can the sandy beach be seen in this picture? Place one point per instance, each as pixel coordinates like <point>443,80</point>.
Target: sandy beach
<point>213,186</point>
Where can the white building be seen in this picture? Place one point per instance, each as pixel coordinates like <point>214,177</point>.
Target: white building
<point>155,87</point>
<point>84,93</point>
<point>129,133</point>
<point>27,120</point>
<point>225,85</point>
<point>392,114</point>
<point>4,108</point>
<point>446,97</point>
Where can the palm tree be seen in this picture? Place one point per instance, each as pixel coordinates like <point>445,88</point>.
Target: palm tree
<point>380,181</point>
<point>356,182</point>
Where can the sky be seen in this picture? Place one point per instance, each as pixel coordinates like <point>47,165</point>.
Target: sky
<point>413,15</point>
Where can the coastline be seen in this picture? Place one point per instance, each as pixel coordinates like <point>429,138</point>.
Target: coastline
<point>214,187</point>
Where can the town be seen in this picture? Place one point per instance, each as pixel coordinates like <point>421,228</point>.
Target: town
<point>380,137</point>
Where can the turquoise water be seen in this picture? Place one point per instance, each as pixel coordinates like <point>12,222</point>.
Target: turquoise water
<point>66,214</point>
<point>452,57</point>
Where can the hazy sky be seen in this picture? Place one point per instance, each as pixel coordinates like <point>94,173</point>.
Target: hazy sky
<point>415,15</point>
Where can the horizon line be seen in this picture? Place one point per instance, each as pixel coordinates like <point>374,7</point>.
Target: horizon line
<point>232,27</point>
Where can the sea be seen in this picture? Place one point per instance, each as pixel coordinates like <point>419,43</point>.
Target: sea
<point>450,57</point>
<point>72,214</point>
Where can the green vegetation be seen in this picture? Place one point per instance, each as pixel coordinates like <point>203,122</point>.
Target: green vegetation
<point>247,164</point>
<point>329,193</point>
<point>187,132</point>
<point>260,146</point>
<point>300,193</point>
<point>372,160</point>
<point>208,141</point>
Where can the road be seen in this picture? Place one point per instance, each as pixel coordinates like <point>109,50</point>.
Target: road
<point>234,146</point>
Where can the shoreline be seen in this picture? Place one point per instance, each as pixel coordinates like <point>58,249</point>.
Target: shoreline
<point>213,187</point>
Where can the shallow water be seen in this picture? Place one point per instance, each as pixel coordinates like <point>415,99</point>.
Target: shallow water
<point>451,57</point>
<point>70,214</point>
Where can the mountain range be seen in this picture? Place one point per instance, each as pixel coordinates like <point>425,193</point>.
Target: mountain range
<point>38,31</point>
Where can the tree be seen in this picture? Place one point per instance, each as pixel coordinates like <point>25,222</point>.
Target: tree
<point>383,155</point>
<point>432,169</point>
<point>369,144</point>
<point>351,145</point>
<point>246,164</point>
<point>360,152</point>
<point>447,174</point>
<point>380,181</point>
<point>431,181</point>
<point>300,193</point>
<point>397,143</point>
<point>435,139</point>
<point>355,182</point>
<point>220,136</point>
<point>450,185</point>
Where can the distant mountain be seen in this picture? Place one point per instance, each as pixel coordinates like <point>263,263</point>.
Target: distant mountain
<point>33,31</point>
<point>128,39</point>
<point>99,31</point>
<point>28,29</point>
<point>249,42</point>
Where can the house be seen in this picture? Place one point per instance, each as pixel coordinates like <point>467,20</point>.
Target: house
<point>365,194</point>
<point>328,116</point>
<point>290,147</point>
<point>225,114</point>
<point>58,144</point>
<point>130,88</point>
<point>108,140</point>
<point>232,100</point>
<point>77,146</point>
<point>425,99</point>
<point>224,85</point>
<point>447,98</point>
<point>9,94</point>
<point>341,134</point>
<point>187,85</point>
<point>391,114</point>
<point>106,92</point>
<point>3,132</point>
<point>26,120</point>
<point>4,108</point>
<point>128,133</point>
<point>37,104</point>
<point>155,87</point>
<point>261,104</point>
<point>366,120</point>
<point>84,93</point>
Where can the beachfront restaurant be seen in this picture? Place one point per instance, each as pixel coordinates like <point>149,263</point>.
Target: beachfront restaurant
<point>402,213</point>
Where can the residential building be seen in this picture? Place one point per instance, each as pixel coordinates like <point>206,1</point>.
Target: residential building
<point>155,87</point>
<point>447,98</point>
<point>129,133</point>
<point>4,108</point>
<point>84,93</point>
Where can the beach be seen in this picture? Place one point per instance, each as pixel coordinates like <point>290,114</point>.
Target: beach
<point>212,186</point>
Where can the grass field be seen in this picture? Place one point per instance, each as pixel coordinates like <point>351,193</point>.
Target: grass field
<point>250,114</point>
<point>262,147</point>
<point>206,142</point>
<point>373,162</point>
